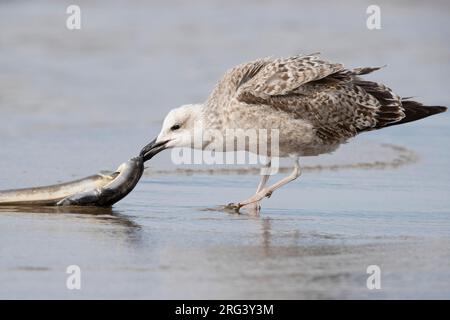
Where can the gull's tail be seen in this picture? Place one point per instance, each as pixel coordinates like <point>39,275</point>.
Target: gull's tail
<point>394,110</point>
<point>414,110</point>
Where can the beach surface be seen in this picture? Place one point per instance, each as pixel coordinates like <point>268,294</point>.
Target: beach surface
<point>74,103</point>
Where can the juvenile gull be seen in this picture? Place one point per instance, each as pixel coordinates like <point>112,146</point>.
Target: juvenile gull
<point>315,105</point>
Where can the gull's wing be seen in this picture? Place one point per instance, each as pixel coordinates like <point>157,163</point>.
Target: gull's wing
<point>336,101</point>
<point>333,99</point>
<point>281,76</point>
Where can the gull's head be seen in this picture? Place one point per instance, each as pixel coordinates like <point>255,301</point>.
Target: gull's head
<point>177,130</point>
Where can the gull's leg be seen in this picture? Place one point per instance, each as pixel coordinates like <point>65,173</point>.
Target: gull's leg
<point>267,192</point>
<point>254,207</point>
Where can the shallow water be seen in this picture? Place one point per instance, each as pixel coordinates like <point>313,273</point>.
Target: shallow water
<point>75,103</point>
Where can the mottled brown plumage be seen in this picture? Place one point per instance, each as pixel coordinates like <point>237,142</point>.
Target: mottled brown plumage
<point>322,104</point>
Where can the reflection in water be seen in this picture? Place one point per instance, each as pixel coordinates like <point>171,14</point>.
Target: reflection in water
<point>93,211</point>
<point>107,216</point>
<point>176,251</point>
<point>266,235</point>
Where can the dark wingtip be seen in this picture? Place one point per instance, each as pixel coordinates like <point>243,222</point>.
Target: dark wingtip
<point>415,110</point>
<point>420,110</point>
<point>440,109</point>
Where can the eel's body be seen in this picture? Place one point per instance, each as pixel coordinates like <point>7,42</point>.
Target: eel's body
<point>97,190</point>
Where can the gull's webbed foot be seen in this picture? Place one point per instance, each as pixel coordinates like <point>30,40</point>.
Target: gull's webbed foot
<point>233,207</point>
<point>253,208</point>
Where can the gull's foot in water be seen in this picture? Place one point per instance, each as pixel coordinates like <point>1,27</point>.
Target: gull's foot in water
<point>235,207</point>
<point>253,204</point>
<point>252,208</point>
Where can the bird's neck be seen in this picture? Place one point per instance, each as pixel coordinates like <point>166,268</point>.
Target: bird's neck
<point>197,110</point>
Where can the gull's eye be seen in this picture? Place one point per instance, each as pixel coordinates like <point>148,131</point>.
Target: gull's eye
<point>175,127</point>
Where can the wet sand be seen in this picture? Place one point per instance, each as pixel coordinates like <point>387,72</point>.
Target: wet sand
<point>75,103</point>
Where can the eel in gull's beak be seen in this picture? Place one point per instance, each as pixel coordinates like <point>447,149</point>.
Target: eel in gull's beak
<point>152,149</point>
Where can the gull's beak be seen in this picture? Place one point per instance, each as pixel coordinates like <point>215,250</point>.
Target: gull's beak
<point>152,149</point>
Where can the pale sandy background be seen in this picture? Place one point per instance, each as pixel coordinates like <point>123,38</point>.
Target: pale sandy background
<point>76,102</point>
